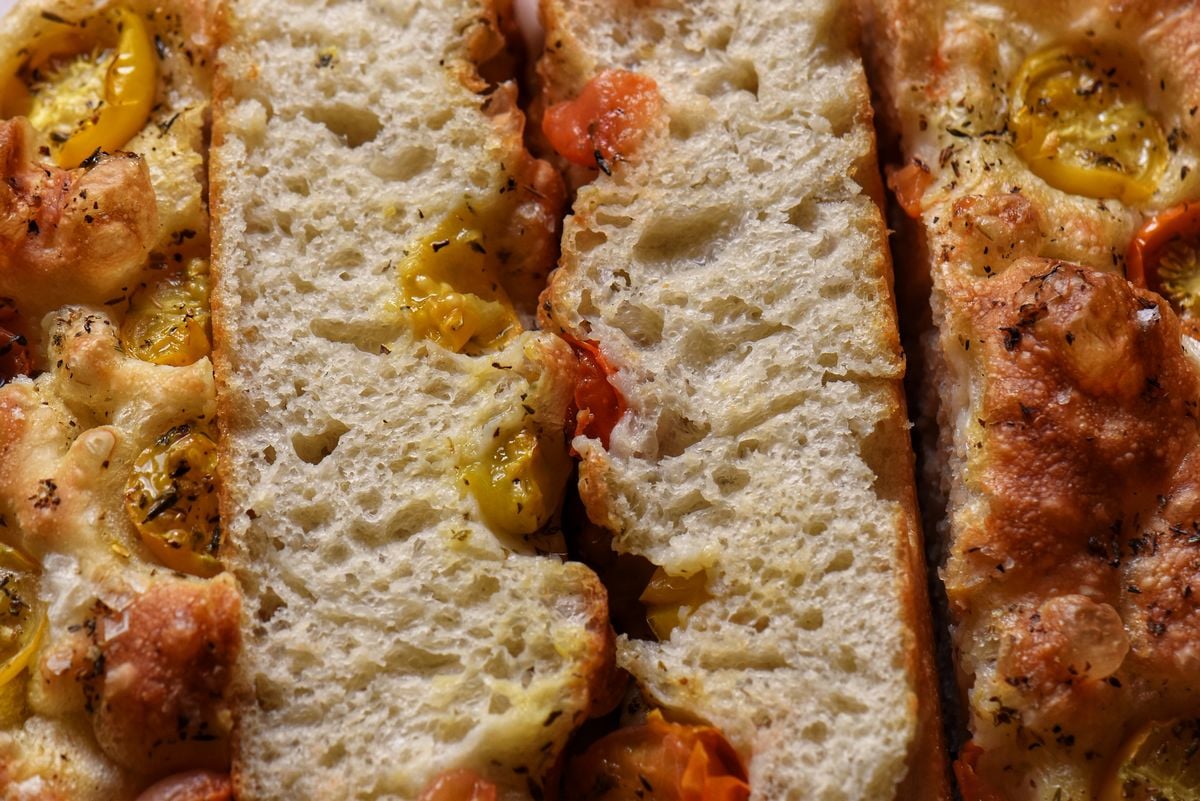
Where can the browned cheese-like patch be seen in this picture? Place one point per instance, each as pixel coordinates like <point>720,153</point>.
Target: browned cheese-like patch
<point>1090,474</point>
<point>157,688</point>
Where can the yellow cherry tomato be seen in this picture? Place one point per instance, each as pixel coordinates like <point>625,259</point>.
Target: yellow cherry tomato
<point>1080,127</point>
<point>1159,762</point>
<point>45,80</point>
<point>666,597</point>
<point>451,288</point>
<point>168,321</point>
<point>171,497</point>
<point>520,482</point>
<point>22,616</point>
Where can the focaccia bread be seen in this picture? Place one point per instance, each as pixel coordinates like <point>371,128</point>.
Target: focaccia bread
<point>113,667</point>
<point>732,276</point>
<point>393,431</point>
<point>1047,150</point>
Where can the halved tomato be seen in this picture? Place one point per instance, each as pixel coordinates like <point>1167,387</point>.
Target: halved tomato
<point>1081,128</point>
<point>1164,256</point>
<point>1158,762</point>
<point>171,497</point>
<point>22,615</point>
<point>460,784</point>
<point>659,761</point>
<point>606,122</point>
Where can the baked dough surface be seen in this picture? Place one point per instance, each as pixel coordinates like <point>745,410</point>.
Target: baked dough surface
<point>129,681</point>
<point>1068,453</point>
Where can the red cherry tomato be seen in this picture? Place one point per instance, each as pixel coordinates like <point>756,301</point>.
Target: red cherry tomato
<point>607,122</point>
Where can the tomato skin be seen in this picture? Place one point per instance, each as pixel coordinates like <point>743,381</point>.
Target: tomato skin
<point>607,122</point>
<point>195,785</point>
<point>460,784</point>
<point>14,356</point>
<point>598,405</point>
<point>908,184</point>
<point>14,349</point>
<point>659,761</point>
<point>1141,260</point>
<point>1083,131</point>
<point>171,498</point>
<point>970,785</point>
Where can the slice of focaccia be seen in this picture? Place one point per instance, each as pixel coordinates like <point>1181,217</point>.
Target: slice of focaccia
<point>117,635</point>
<point>1048,155</point>
<point>393,427</point>
<point>727,267</point>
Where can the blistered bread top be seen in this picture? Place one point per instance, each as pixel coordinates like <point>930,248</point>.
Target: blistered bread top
<point>129,680</point>
<point>1068,397</point>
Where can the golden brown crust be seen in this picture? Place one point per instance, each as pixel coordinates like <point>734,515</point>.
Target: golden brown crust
<point>69,236</point>
<point>158,698</point>
<point>147,654</point>
<point>1083,562</point>
<point>1065,402</point>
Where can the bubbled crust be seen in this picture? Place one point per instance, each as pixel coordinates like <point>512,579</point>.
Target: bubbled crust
<point>1089,406</point>
<point>1065,403</point>
<point>67,443</point>
<point>1086,478</point>
<point>158,698</point>
<point>68,438</point>
<point>88,229</point>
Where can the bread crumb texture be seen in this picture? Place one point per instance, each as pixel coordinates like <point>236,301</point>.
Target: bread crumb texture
<point>391,635</point>
<point>734,271</point>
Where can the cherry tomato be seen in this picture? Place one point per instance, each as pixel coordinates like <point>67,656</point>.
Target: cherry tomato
<point>520,483</point>
<point>659,761</point>
<point>1164,257</point>
<point>130,84</point>
<point>909,184</point>
<point>168,320</point>
<point>22,616</point>
<point>598,404</point>
<point>171,497</point>
<point>607,122</point>
<point>972,787</point>
<point>1159,762</point>
<point>1079,126</point>
<point>666,596</point>
<point>459,785</point>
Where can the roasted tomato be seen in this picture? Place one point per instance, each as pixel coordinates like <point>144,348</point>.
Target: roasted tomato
<point>14,349</point>
<point>1159,762</point>
<point>171,498</point>
<point>908,184</point>
<point>1080,127</point>
<point>168,320</point>
<point>87,87</point>
<point>659,761</point>
<point>1164,256</point>
<point>607,122</point>
<point>520,482</point>
<point>194,785</point>
<point>459,785</point>
<point>972,787</point>
<point>669,598</point>
<point>598,405</point>
<point>452,290</point>
<point>22,617</point>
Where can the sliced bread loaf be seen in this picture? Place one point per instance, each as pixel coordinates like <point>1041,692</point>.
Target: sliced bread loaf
<point>400,622</point>
<point>734,272</point>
